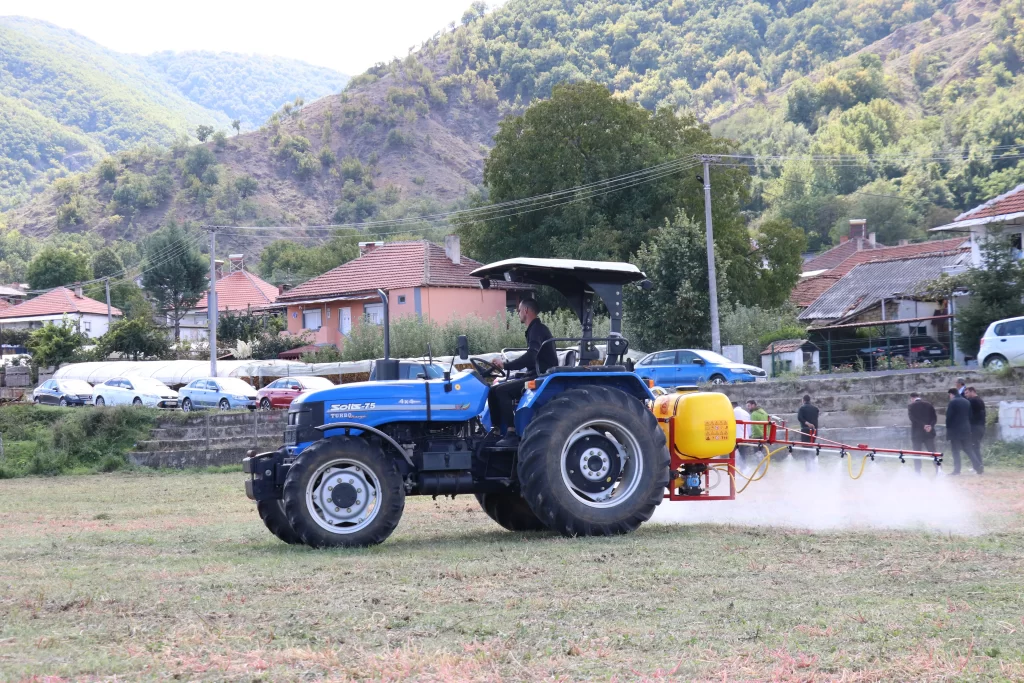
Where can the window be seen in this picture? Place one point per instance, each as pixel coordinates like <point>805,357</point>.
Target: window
<point>1017,244</point>
<point>1012,328</point>
<point>277,384</point>
<point>125,384</point>
<point>375,313</point>
<point>663,358</point>
<point>345,320</point>
<point>311,319</point>
<point>687,358</point>
<point>87,326</point>
<point>401,298</point>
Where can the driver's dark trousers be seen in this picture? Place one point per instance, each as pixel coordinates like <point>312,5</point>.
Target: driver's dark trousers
<point>502,401</point>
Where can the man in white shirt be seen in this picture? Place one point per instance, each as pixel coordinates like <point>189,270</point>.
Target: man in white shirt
<point>742,431</point>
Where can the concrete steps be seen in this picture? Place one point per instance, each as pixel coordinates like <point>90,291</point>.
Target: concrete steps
<point>210,439</point>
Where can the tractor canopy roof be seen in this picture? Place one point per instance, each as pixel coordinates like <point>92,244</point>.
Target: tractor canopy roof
<point>560,273</point>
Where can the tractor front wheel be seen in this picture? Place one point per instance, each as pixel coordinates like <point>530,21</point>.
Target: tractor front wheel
<point>343,491</point>
<point>274,518</point>
<point>593,462</point>
<point>510,511</point>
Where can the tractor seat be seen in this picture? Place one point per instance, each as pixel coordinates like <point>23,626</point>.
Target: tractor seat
<point>557,370</point>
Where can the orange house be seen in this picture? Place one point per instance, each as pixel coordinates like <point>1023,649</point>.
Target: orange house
<point>420,278</point>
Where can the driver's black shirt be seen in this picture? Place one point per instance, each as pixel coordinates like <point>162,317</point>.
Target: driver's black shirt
<point>536,334</point>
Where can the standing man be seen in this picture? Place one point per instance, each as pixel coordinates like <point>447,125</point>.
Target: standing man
<point>757,414</point>
<point>807,416</point>
<point>958,429</point>
<point>922,426</point>
<point>977,427</point>
<point>961,386</point>
<point>539,357</point>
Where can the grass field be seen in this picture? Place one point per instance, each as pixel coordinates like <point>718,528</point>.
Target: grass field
<point>172,576</point>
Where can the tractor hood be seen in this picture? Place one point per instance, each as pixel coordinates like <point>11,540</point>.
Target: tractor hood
<point>377,403</point>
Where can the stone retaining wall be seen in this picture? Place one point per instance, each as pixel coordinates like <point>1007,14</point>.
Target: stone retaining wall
<point>210,439</point>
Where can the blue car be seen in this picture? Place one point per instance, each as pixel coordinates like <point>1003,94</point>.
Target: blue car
<point>695,366</point>
<point>224,393</point>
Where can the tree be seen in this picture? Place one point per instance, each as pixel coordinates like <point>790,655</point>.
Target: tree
<point>286,261</point>
<point>246,186</point>
<point>57,267</point>
<point>174,273</point>
<point>237,125</point>
<point>138,338</point>
<point>781,247</point>
<point>677,311</point>
<point>203,132</point>
<point>55,344</point>
<point>996,289</point>
<point>583,135</point>
<point>106,263</point>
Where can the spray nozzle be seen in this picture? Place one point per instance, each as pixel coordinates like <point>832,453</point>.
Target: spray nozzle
<point>902,461</point>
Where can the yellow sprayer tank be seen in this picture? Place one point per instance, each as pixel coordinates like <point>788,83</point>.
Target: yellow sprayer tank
<point>697,424</point>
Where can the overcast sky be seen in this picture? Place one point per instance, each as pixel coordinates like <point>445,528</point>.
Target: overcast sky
<point>347,35</point>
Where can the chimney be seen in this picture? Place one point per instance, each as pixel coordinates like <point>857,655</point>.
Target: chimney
<point>904,243</point>
<point>78,290</point>
<point>453,249</point>
<point>218,268</point>
<point>843,239</point>
<point>281,289</point>
<point>871,240</point>
<point>366,247</point>
<point>858,228</point>
<point>236,262</point>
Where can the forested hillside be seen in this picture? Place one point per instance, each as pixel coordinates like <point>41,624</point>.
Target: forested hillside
<point>906,80</point>
<point>244,87</point>
<point>65,101</point>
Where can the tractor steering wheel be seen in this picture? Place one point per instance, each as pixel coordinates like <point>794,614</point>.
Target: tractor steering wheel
<point>486,368</point>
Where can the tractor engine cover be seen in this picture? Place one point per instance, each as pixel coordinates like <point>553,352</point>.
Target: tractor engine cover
<point>697,425</point>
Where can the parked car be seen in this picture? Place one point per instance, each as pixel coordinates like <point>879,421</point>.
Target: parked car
<point>223,393</point>
<point>694,366</point>
<point>409,370</point>
<point>917,347</point>
<point>135,391</point>
<point>1002,344</point>
<point>63,392</point>
<point>280,393</point>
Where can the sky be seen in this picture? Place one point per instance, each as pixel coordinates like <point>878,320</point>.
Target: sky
<point>347,35</point>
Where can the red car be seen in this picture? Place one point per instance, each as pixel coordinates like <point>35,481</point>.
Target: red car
<point>280,393</point>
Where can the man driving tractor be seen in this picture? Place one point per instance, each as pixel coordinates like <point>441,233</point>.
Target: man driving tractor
<point>539,357</point>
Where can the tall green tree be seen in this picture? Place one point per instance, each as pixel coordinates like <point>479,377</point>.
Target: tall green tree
<point>203,132</point>
<point>107,263</point>
<point>677,310</point>
<point>53,344</point>
<point>582,135</point>
<point>175,273</point>
<point>57,267</point>
<point>135,338</point>
<point>781,247</point>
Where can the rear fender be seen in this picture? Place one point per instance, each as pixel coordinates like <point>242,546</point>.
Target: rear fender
<point>551,387</point>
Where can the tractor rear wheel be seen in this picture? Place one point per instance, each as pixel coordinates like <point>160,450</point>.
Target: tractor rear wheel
<point>343,491</point>
<point>510,511</point>
<point>274,518</point>
<point>593,462</point>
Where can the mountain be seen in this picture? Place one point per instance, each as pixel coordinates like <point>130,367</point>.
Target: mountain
<point>66,101</point>
<point>802,77</point>
<point>245,87</point>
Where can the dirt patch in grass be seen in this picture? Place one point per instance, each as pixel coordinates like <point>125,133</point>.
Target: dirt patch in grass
<point>141,576</point>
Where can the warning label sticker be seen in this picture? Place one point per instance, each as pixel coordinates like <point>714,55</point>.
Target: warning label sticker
<point>716,430</point>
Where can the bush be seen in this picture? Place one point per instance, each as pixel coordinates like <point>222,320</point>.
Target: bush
<point>48,441</point>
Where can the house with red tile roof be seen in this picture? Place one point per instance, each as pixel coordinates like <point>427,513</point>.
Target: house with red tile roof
<point>825,270</point>
<point>1003,214</point>
<point>53,306</point>
<point>419,277</point>
<point>237,292</point>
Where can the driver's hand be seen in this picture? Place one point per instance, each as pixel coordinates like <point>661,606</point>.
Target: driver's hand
<point>498,363</point>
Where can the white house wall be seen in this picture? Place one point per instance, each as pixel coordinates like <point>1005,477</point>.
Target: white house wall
<point>91,325</point>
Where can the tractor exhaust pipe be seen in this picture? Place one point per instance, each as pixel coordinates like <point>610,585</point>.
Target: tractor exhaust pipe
<point>387,369</point>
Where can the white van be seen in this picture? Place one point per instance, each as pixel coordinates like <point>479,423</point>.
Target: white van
<point>1002,344</point>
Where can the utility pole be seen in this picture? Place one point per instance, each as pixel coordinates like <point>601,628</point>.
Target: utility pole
<point>716,337</point>
<point>106,285</point>
<point>211,303</point>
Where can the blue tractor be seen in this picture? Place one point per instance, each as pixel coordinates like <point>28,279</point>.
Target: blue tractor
<point>591,460</point>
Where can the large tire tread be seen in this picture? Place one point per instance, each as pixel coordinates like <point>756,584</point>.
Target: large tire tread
<point>370,457</point>
<point>543,492</point>
<point>274,518</point>
<point>510,511</point>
